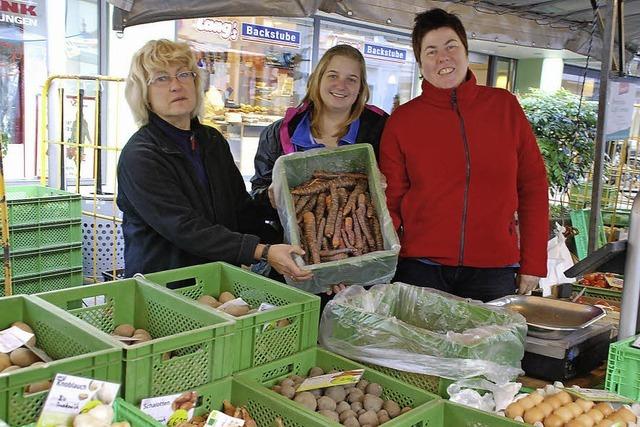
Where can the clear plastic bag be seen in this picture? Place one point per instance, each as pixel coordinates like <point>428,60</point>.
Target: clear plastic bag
<point>424,331</point>
<point>372,268</point>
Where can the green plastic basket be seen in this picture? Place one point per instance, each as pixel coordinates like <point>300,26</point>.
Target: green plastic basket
<point>403,394</point>
<point>42,236</point>
<point>43,261</point>
<point>430,383</point>
<point>123,411</point>
<point>34,204</point>
<point>260,403</point>
<point>443,413</point>
<point>623,369</point>
<point>191,345</point>
<point>46,282</point>
<point>76,350</point>
<point>580,220</point>
<point>605,294</point>
<point>252,344</point>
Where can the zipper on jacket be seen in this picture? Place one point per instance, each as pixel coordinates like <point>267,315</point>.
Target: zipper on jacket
<point>454,105</point>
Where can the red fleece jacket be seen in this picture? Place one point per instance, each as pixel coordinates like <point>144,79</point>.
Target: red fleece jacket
<point>459,164</point>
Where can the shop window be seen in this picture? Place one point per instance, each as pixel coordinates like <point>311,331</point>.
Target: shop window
<point>575,77</point>
<point>479,64</point>
<point>255,69</point>
<point>502,72</point>
<point>391,66</point>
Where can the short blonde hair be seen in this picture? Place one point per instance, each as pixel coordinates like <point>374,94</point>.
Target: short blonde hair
<point>313,88</point>
<point>153,56</point>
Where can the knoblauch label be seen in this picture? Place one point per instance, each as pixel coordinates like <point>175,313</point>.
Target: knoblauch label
<point>71,395</point>
<point>13,338</point>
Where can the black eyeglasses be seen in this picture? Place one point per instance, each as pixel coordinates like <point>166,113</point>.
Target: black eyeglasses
<point>165,79</point>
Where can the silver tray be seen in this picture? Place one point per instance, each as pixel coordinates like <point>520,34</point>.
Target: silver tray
<point>551,318</point>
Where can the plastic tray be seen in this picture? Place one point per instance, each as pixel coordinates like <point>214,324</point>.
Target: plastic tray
<point>404,394</point>
<point>443,413</point>
<point>34,204</point>
<point>252,345</point>
<point>46,282</point>
<point>43,261</point>
<point>76,350</point>
<point>368,269</point>
<point>197,339</point>
<point>41,236</point>
<point>623,369</point>
<point>123,411</point>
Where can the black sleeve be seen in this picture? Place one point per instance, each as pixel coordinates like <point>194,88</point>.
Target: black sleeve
<point>269,150</point>
<point>372,125</point>
<point>153,188</point>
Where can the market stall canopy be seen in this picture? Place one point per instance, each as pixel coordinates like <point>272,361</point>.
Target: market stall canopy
<point>136,12</point>
<point>551,24</point>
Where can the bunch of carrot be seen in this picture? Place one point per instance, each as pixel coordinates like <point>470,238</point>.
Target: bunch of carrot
<point>336,217</point>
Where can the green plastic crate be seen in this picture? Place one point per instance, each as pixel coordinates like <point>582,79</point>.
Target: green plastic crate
<point>34,204</point>
<point>405,394</point>
<point>430,383</point>
<point>123,411</point>
<point>42,261</point>
<point>252,346</point>
<point>580,220</point>
<point>198,340</point>
<point>443,413</point>
<point>260,402</point>
<point>46,282</point>
<point>623,369</point>
<point>76,350</point>
<point>41,236</point>
<point>605,294</point>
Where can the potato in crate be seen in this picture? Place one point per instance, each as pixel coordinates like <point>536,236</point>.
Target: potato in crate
<point>331,203</point>
<point>73,347</point>
<point>403,404</point>
<point>287,326</point>
<point>169,342</point>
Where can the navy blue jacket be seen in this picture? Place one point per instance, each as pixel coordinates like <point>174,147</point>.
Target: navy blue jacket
<point>170,220</point>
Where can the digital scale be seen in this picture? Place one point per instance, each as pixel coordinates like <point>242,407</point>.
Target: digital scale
<point>578,353</point>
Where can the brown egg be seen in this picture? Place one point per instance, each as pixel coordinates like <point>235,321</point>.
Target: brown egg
<point>586,405</point>
<point>514,410</point>
<point>626,415</point>
<point>564,397</point>
<point>554,402</point>
<point>553,420</point>
<point>533,415</point>
<point>574,408</point>
<point>585,420</point>
<point>546,408</point>
<point>574,423</point>
<point>564,413</point>
<point>595,415</point>
<point>605,423</point>
<point>615,417</point>
<point>536,397</point>
<point>526,403</point>
<point>605,408</point>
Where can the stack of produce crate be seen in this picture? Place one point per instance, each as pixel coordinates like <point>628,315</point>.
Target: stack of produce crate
<point>45,239</point>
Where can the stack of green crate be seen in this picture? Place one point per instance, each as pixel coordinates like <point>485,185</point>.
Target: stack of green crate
<point>45,239</point>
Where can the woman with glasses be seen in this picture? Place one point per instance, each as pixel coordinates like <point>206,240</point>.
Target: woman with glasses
<point>183,199</point>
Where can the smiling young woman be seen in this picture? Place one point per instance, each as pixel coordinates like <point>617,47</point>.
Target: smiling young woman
<point>463,173</point>
<point>334,112</point>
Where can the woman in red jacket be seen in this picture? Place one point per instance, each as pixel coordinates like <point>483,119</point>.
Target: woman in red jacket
<point>464,175</point>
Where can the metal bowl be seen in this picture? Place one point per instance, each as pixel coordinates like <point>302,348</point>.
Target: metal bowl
<point>551,318</point>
